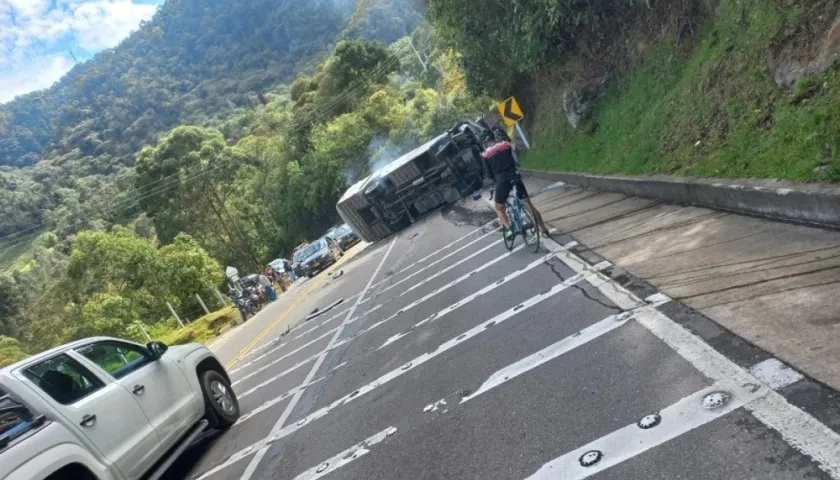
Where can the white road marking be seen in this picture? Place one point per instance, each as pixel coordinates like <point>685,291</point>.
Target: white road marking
<point>775,374</point>
<point>658,299</point>
<point>441,249</point>
<point>503,281</point>
<point>433,317</point>
<point>307,344</point>
<point>319,325</point>
<point>371,310</point>
<point>439,272</point>
<point>283,357</point>
<point>551,352</point>
<point>448,309</point>
<point>255,461</point>
<point>334,463</point>
<point>274,401</point>
<point>799,429</point>
<point>409,267</point>
<point>365,300</point>
<point>620,445</point>
<point>434,407</point>
<point>283,432</point>
<point>279,375</point>
<point>274,341</point>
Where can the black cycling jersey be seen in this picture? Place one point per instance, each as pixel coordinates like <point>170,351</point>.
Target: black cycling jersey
<point>500,163</point>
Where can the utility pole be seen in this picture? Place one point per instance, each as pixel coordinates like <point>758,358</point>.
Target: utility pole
<point>145,333</point>
<point>203,306</point>
<point>419,58</point>
<point>172,311</point>
<point>221,298</point>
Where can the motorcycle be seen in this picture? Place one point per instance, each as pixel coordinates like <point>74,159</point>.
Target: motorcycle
<point>251,300</point>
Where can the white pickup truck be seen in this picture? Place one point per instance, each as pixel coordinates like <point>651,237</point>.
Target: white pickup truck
<point>109,409</point>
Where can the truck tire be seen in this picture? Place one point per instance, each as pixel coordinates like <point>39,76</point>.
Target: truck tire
<point>220,400</point>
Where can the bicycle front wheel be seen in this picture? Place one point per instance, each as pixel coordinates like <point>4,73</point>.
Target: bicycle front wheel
<point>530,231</point>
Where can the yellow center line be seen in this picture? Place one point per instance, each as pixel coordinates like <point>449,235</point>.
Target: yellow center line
<point>282,316</point>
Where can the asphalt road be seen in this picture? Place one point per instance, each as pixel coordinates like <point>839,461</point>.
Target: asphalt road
<point>450,357</point>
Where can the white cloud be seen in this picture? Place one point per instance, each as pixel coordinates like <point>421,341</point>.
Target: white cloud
<point>35,75</point>
<point>33,32</point>
<point>104,24</point>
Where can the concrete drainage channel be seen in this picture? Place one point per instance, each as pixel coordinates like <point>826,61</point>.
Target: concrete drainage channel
<point>810,204</point>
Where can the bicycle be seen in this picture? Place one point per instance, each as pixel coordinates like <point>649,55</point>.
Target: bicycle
<point>521,222</point>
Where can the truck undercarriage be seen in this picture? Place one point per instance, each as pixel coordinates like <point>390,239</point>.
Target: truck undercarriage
<point>437,173</point>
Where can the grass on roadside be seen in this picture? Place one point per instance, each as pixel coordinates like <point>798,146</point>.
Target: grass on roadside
<point>711,109</point>
<point>200,331</point>
<point>204,329</point>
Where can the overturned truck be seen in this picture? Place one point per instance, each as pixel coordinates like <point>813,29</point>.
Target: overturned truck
<point>437,173</point>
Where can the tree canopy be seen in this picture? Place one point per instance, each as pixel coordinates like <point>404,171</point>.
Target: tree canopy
<point>156,173</point>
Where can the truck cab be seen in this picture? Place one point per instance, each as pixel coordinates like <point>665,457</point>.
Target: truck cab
<point>109,408</point>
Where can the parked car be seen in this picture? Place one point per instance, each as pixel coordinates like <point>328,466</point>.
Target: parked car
<point>298,258</point>
<point>109,409</point>
<point>344,236</point>
<point>319,255</point>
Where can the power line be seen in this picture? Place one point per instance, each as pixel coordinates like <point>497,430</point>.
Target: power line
<point>335,102</point>
<point>314,118</point>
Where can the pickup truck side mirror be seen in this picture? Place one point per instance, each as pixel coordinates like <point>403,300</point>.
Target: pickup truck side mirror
<point>157,349</point>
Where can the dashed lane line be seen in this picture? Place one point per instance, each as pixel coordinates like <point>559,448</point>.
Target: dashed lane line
<point>423,282</point>
<point>448,309</point>
<point>416,285</point>
<point>475,331</point>
<point>480,229</point>
<point>255,461</point>
<point>271,327</point>
<point>341,459</point>
<point>418,272</point>
<point>403,310</point>
<point>287,355</point>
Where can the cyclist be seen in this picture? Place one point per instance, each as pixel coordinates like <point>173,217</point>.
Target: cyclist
<point>500,166</point>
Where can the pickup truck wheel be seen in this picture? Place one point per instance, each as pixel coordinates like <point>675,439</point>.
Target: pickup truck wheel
<point>221,401</point>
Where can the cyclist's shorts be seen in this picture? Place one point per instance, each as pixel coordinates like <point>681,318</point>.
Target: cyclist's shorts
<point>503,190</point>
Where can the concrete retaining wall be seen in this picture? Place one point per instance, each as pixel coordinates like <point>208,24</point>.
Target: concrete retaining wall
<point>815,204</point>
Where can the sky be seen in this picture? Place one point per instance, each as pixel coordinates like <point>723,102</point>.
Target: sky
<point>37,36</point>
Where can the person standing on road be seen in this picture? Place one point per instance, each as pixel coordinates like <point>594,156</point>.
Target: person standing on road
<point>275,277</point>
<point>291,271</point>
<point>265,283</point>
<point>500,166</point>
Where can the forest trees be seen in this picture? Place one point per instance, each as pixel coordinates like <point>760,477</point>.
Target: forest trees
<point>115,279</point>
<point>238,189</point>
<point>186,183</point>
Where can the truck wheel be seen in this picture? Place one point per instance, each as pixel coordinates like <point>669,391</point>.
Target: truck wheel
<point>222,405</point>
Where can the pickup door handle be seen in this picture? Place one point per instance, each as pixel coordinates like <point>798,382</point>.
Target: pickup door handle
<point>139,389</point>
<point>88,420</point>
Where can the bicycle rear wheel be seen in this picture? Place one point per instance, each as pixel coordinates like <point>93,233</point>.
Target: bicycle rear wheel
<point>530,231</point>
<point>509,241</point>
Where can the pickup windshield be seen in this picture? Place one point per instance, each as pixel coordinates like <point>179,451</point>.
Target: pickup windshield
<point>15,419</point>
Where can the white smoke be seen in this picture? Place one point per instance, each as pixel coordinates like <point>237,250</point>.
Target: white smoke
<point>380,152</point>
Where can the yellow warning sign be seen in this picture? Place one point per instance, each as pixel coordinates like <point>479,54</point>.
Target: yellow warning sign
<point>510,111</point>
